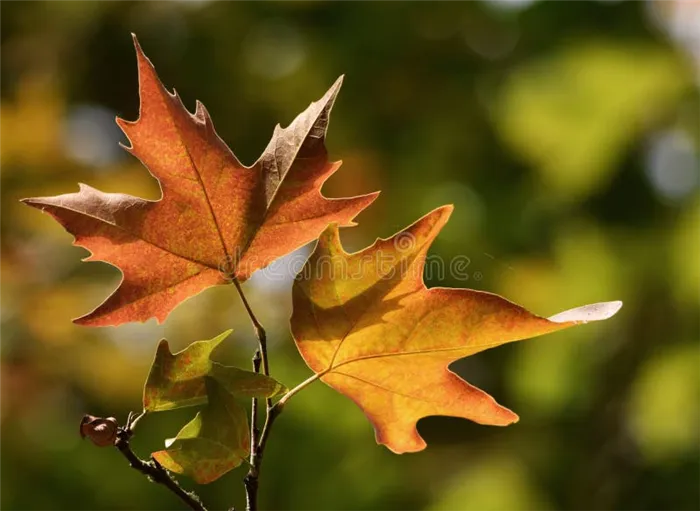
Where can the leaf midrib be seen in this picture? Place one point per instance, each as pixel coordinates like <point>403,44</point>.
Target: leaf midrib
<point>416,352</point>
<point>199,180</point>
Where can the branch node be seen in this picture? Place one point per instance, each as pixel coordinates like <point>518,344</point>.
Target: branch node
<point>153,470</point>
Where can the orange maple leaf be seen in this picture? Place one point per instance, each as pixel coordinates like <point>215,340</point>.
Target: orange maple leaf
<point>217,218</point>
<point>366,324</point>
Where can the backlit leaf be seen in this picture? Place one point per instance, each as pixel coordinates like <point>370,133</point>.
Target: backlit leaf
<point>217,218</point>
<point>368,326</point>
<point>178,380</point>
<point>213,443</point>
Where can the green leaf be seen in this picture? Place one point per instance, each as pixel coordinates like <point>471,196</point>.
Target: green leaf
<point>177,380</point>
<point>214,442</point>
<point>246,384</point>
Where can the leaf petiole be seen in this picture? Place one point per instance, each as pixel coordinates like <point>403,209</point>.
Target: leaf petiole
<point>296,389</point>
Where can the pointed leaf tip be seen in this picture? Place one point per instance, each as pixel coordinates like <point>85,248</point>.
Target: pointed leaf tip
<point>586,313</point>
<point>137,45</point>
<point>328,99</point>
<point>445,211</point>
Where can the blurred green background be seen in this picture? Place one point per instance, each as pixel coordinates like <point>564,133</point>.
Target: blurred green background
<point>567,136</point>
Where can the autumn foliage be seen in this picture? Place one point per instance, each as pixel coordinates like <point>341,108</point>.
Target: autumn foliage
<point>365,325</point>
<point>217,219</point>
<point>383,339</point>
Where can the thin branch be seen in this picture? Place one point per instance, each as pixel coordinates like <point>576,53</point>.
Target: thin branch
<point>251,480</point>
<point>251,485</point>
<point>259,362</point>
<point>254,411</point>
<point>154,470</point>
<point>259,330</point>
<point>251,491</point>
<point>272,414</point>
<point>257,444</point>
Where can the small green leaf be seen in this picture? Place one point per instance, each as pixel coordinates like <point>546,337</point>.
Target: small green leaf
<point>214,442</point>
<point>177,380</point>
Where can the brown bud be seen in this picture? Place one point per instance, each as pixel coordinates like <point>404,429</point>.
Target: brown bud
<point>102,432</point>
